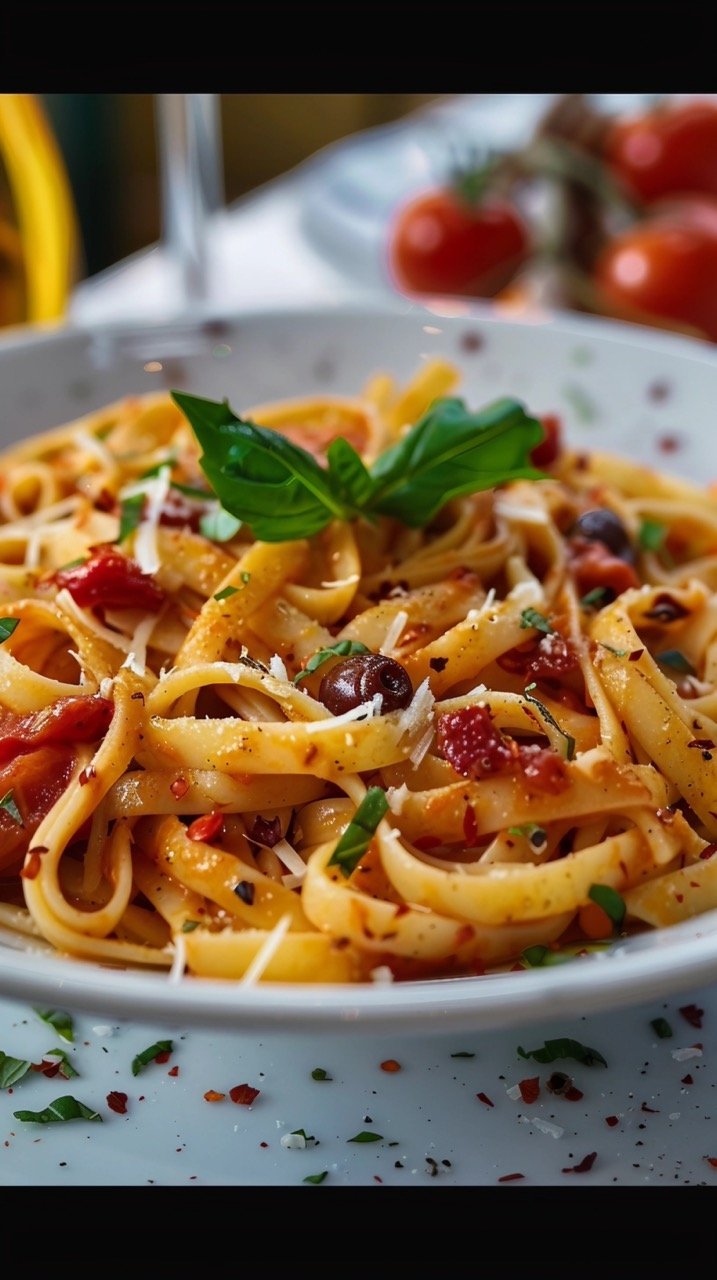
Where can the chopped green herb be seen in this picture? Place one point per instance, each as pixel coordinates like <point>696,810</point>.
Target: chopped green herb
<point>282,492</point>
<point>316,1178</point>
<point>531,618</point>
<point>610,901</point>
<point>539,957</point>
<point>301,1133</point>
<point>148,1055</point>
<point>619,653</point>
<point>677,660</point>
<point>66,1069</point>
<point>595,598</point>
<point>66,1108</point>
<point>61,1021</point>
<point>130,515</point>
<point>529,831</point>
<point>318,1073</point>
<point>245,577</point>
<point>152,472</point>
<point>219,525</point>
<point>652,535</point>
<point>7,626</point>
<point>226,593</point>
<point>189,491</point>
<point>554,1049</point>
<point>7,802</point>
<point>569,740</point>
<point>189,926</point>
<point>12,1070</point>
<point>365,1136</point>
<point>359,833</point>
<point>662,1028</point>
<point>343,649</point>
<point>72,564</point>
<point>463,1054</point>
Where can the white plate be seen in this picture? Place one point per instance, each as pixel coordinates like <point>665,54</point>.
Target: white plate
<point>651,396</point>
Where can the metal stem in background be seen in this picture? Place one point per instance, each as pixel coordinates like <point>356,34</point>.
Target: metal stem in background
<point>191,172</point>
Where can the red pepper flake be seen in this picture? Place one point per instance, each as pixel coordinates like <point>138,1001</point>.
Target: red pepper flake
<point>669,444</point>
<point>263,1144</point>
<point>173,1071</point>
<point>163,1056</point>
<point>390,1065</point>
<point>483,1097</point>
<point>32,862</point>
<point>635,655</point>
<point>702,744</point>
<point>652,1110</point>
<point>687,1079</point>
<point>206,828</point>
<point>692,1014</point>
<point>86,774</point>
<point>179,788</point>
<point>243,1094</point>
<point>529,1089</point>
<point>212,1096</point>
<point>511,1177</point>
<point>573,1095</point>
<point>585,1165</point>
<point>48,1069</point>
<point>376,1178</point>
<point>470,826</point>
<point>117,1102</point>
<point>463,935</point>
<point>612,1121</point>
<point>711,1160</point>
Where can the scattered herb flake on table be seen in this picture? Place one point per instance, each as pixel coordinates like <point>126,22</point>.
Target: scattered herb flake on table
<point>366,1136</point>
<point>12,1070</point>
<point>150,1055</point>
<point>62,1109</point>
<point>60,1020</point>
<point>564,1048</point>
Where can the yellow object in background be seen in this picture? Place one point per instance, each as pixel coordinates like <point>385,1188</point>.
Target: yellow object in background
<point>38,228</point>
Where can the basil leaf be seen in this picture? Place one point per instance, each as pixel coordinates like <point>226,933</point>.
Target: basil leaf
<point>359,833</point>
<point>343,649</point>
<point>189,491</point>
<point>349,479</point>
<point>219,525</point>
<point>318,1073</point>
<point>8,804</point>
<point>7,626</point>
<point>365,1136</point>
<point>316,1178</point>
<point>554,1049</point>
<point>662,1028</point>
<point>12,1070</point>
<point>188,926</point>
<point>531,618</point>
<point>569,740</point>
<point>61,1021</point>
<point>148,1055</point>
<point>451,451</point>
<point>66,1108</point>
<point>652,535</point>
<point>610,901</point>
<point>258,475</point>
<point>673,658</point>
<point>130,515</point>
<point>539,957</point>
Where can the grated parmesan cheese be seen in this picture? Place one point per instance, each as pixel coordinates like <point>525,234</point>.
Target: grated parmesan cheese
<point>420,750</point>
<point>381,975</point>
<point>179,963</point>
<point>351,581</point>
<point>89,622</point>
<point>277,668</point>
<point>681,1055</point>
<point>419,710</point>
<point>146,551</point>
<point>397,797</point>
<point>393,632</point>
<point>522,514</point>
<point>365,711</point>
<point>293,1141</point>
<point>136,659</point>
<point>514,1092</point>
<point>266,952</point>
<point>290,858</point>
<point>553,1130</point>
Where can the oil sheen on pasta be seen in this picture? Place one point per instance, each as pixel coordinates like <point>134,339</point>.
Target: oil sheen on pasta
<point>170,797</point>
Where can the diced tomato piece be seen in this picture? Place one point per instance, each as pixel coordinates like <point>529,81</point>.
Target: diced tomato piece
<point>36,782</point>
<point>592,565</point>
<point>549,658</point>
<point>470,741</point>
<point>544,770</point>
<point>206,828</point>
<point>69,720</point>
<point>112,581</point>
<point>549,449</point>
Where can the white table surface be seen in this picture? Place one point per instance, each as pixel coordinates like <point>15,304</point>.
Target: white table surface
<point>442,1133</point>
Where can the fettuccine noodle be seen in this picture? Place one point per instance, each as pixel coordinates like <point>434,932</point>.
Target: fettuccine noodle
<point>171,797</point>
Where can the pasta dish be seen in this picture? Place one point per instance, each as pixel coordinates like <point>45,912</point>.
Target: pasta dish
<point>350,688</point>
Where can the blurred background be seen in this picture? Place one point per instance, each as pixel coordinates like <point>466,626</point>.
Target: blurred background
<point>109,144</point>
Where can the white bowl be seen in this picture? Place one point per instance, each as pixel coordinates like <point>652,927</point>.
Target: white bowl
<point>648,395</point>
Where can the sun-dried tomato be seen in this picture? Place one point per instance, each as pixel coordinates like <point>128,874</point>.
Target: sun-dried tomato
<point>592,565</point>
<point>544,770</point>
<point>112,581</point>
<point>550,447</point>
<point>470,741</point>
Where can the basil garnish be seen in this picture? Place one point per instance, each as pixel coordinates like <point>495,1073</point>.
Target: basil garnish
<point>66,1108</point>
<point>359,833</point>
<point>343,649</point>
<point>554,1049</point>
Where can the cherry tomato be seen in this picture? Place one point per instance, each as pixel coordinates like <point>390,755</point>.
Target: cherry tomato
<point>669,150</point>
<point>665,267</point>
<point>441,243</point>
